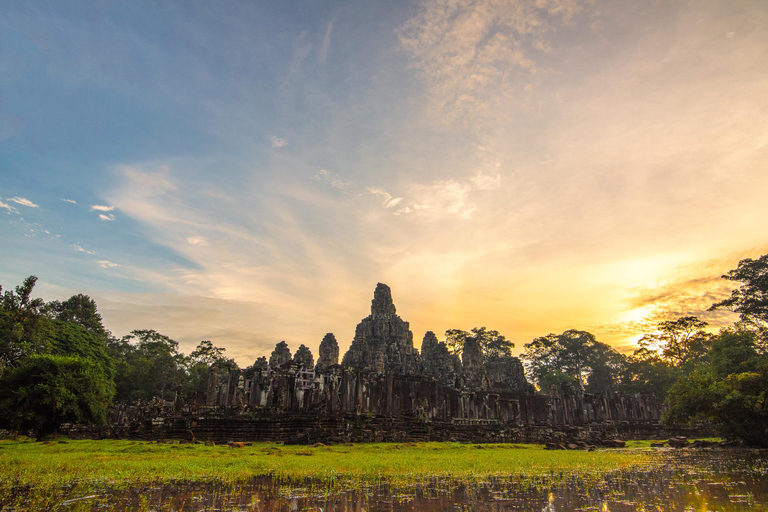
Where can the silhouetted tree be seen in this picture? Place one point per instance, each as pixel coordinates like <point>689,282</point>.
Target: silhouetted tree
<point>750,299</point>
<point>680,341</point>
<point>573,357</point>
<point>492,342</point>
<point>646,372</point>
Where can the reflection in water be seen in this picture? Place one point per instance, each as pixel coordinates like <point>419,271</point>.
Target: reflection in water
<point>692,481</point>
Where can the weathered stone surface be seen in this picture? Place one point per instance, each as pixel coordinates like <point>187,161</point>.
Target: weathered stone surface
<point>304,358</point>
<point>328,353</point>
<point>383,342</point>
<point>438,361</point>
<point>260,366</point>
<point>280,356</point>
<point>474,365</point>
<point>507,373</point>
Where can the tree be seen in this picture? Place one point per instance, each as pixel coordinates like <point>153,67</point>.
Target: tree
<point>574,357</point>
<point>679,342</point>
<point>750,300</point>
<point>45,391</point>
<point>646,372</point>
<point>24,328</point>
<point>731,390</point>
<point>80,310</point>
<point>68,339</point>
<point>206,353</point>
<point>148,365</point>
<point>492,343</point>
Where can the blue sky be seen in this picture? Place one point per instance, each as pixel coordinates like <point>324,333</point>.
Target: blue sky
<point>246,172</point>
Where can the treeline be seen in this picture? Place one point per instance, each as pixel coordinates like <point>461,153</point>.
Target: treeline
<point>59,364</point>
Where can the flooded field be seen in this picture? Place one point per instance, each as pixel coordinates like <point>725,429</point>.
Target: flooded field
<point>678,481</point>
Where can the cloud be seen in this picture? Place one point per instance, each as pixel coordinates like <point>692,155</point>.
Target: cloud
<point>197,240</point>
<point>8,208</point>
<point>23,201</point>
<point>108,216</point>
<point>69,200</point>
<point>467,51</point>
<point>331,179</point>
<point>278,142</point>
<point>486,181</point>
<point>80,249</point>
<point>102,208</point>
<point>107,264</point>
<point>322,54</point>
<point>387,200</point>
<point>434,201</point>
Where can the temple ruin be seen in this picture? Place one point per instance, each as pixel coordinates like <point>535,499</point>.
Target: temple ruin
<point>383,390</point>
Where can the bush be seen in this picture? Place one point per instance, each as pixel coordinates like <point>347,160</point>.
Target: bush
<point>45,391</point>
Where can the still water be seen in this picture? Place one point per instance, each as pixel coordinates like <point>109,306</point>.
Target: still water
<point>680,481</point>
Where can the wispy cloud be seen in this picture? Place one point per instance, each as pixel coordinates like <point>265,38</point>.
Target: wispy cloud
<point>8,208</point>
<point>107,264</point>
<point>387,200</point>
<point>278,142</point>
<point>467,51</point>
<point>197,240</point>
<point>322,53</point>
<point>69,200</point>
<point>331,179</point>
<point>441,198</point>
<point>102,208</point>
<point>80,249</point>
<point>108,216</point>
<point>23,201</point>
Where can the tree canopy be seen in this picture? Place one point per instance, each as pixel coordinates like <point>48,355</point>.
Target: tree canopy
<point>46,390</point>
<point>680,341</point>
<point>730,390</point>
<point>750,299</point>
<point>573,357</point>
<point>493,343</point>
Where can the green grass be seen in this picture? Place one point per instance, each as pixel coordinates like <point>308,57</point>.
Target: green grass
<point>130,463</point>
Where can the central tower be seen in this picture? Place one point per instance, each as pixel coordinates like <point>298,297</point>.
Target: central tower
<point>383,342</point>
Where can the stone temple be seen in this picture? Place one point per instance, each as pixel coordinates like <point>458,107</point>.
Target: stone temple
<point>383,342</point>
<point>383,390</point>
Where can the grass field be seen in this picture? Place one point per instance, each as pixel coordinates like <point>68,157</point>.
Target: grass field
<point>129,463</point>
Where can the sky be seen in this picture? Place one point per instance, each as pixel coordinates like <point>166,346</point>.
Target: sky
<point>245,172</point>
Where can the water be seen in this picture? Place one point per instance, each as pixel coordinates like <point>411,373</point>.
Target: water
<point>680,481</point>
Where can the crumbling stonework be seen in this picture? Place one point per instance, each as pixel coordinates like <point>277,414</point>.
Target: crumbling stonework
<point>303,357</point>
<point>474,365</point>
<point>383,342</point>
<point>280,356</point>
<point>438,361</point>
<point>507,373</point>
<point>328,353</point>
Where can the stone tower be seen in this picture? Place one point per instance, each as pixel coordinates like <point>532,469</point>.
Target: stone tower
<point>438,361</point>
<point>329,353</point>
<point>383,342</point>
<point>473,361</point>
